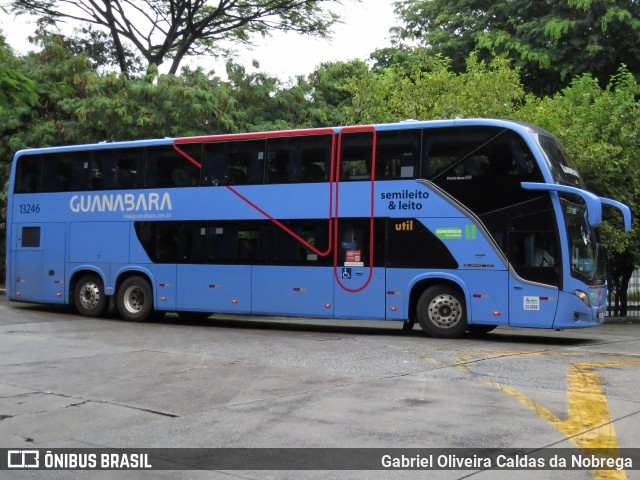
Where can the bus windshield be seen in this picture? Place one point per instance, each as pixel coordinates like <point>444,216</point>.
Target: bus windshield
<point>559,162</point>
<point>583,246</point>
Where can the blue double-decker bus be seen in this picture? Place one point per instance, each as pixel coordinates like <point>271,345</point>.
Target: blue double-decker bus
<point>460,225</point>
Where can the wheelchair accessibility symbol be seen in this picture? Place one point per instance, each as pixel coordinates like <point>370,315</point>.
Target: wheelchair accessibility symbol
<point>346,273</point>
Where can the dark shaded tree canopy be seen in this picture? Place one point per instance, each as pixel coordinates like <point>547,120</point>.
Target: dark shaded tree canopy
<point>552,41</point>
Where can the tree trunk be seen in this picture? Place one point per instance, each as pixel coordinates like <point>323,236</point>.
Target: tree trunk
<point>624,288</point>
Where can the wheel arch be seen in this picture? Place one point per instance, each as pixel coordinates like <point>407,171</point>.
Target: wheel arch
<point>419,285</point>
<point>78,273</point>
<point>125,273</point>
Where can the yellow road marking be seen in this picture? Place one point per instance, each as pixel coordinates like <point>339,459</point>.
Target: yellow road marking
<point>588,425</point>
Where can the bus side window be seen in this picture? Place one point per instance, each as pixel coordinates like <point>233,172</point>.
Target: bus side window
<point>288,250</point>
<point>298,159</point>
<point>167,168</point>
<point>353,247</point>
<point>214,164</point>
<point>30,237</point>
<point>180,242</point>
<point>356,158</point>
<point>114,169</point>
<point>65,171</point>
<point>223,243</point>
<point>28,173</point>
<point>397,154</point>
<point>533,247</point>
<point>166,242</point>
<point>233,163</point>
<point>253,243</point>
<point>239,242</point>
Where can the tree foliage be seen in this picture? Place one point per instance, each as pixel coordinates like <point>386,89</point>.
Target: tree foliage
<point>552,41</point>
<point>161,30</point>
<point>428,87</point>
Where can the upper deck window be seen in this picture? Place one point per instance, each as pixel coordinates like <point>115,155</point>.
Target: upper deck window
<point>398,154</point>
<point>233,163</point>
<point>166,168</point>
<point>116,169</point>
<point>28,174</point>
<point>65,171</point>
<point>480,166</point>
<point>300,159</point>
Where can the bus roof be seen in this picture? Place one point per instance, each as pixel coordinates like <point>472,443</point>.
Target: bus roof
<point>522,127</point>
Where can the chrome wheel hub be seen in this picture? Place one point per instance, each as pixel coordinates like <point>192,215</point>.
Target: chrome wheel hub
<point>445,311</point>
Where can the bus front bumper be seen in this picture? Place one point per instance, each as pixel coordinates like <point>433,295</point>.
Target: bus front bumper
<point>573,312</point>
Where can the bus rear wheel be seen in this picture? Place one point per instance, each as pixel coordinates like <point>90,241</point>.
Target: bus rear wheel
<point>441,312</point>
<point>89,297</point>
<point>135,299</point>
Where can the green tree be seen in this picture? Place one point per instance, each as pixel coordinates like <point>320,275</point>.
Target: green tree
<point>428,87</point>
<point>329,89</point>
<point>552,41</point>
<point>15,88</point>
<point>161,30</point>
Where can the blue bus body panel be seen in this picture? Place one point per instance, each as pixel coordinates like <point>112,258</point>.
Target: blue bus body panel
<point>98,242</point>
<point>214,288</point>
<point>306,291</point>
<point>27,277</point>
<point>532,305</point>
<point>368,303</point>
<point>487,301</point>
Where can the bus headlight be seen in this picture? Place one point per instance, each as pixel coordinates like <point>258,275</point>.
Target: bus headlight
<point>583,296</point>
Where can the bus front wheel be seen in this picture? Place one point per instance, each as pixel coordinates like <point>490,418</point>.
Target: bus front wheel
<point>89,296</point>
<point>441,312</point>
<point>135,299</point>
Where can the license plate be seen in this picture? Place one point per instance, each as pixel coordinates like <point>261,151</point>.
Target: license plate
<point>600,314</point>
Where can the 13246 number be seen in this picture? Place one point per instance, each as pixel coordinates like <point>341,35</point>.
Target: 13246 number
<point>27,208</point>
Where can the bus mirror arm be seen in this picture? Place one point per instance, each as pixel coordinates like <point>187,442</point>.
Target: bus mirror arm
<point>593,202</point>
<point>626,211</point>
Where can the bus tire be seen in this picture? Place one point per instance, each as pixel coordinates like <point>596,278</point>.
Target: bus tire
<point>481,329</point>
<point>407,326</point>
<point>135,299</point>
<point>89,297</point>
<point>441,312</point>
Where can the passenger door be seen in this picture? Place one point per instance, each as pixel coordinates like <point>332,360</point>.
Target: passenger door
<point>359,273</point>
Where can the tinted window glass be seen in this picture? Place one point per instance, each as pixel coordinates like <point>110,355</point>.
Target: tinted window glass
<point>65,172</point>
<point>174,242</point>
<point>397,154</point>
<point>234,163</point>
<point>28,173</point>
<point>30,237</point>
<point>533,247</point>
<point>167,168</point>
<point>116,169</point>
<point>239,243</point>
<point>356,157</point>
<point>561,166</point>
<point>299,159</point>
<point>482,167</point>
<point>354,242</point>
<point>288,250</point>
